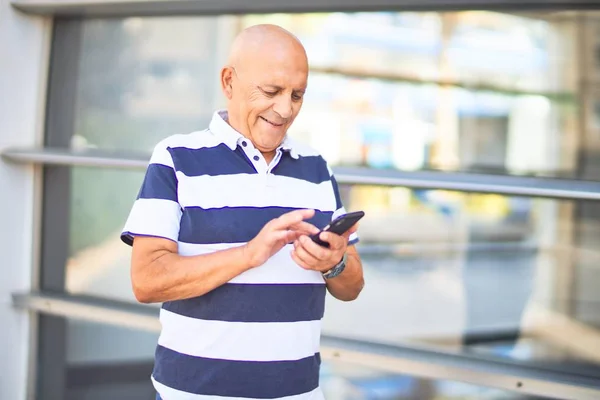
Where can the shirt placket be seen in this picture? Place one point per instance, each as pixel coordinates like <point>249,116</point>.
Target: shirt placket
<point>260,164</point>
<point>270,178</point>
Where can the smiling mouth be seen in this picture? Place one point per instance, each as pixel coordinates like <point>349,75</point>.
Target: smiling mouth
<point>272,123</point>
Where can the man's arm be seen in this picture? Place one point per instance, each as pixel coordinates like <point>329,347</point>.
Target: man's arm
<point>348,285</point>
<point>159,273</point>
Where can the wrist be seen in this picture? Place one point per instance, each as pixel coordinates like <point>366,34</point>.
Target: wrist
<point>337,269</point>
<point>247,257</point>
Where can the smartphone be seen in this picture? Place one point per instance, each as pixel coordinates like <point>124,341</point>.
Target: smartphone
<point>338,226</point>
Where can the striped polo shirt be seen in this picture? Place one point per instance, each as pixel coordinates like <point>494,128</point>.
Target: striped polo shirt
<point>258,335</point>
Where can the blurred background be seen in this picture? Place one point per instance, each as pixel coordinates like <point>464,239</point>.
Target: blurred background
<point>471,139</point>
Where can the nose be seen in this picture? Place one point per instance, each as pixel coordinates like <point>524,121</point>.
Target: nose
<point>283,106</point>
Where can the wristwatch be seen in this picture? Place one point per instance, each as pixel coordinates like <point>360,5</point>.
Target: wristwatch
<point>337,269</point>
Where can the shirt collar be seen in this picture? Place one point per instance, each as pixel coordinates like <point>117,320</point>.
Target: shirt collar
<point>290,146</point>
<point>220,128</point>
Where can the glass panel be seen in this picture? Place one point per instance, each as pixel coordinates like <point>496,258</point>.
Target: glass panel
<point>102,362</point>
<point>135,87</point>
<point>347,382</point>
<point>100,369</point>
<point>502,277</point>
<point>472,91</point>
<point>506,277</point>
<point>99,261</point>
<point>476,91</point>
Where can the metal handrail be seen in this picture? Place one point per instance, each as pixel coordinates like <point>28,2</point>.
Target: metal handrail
<point>407,360</point>
<point>458,181</point>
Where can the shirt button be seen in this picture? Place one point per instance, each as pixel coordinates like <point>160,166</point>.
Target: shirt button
<point>256,158</point>
<point>244,143</point>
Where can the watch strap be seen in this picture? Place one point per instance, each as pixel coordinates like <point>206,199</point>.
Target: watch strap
<point>337,269</point>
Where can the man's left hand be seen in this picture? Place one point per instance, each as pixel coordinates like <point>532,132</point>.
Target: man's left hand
<point>310,255</point>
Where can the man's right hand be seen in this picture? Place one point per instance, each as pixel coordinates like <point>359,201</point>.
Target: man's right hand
<point>276,234</point>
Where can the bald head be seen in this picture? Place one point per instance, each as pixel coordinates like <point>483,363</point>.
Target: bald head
<point>265,39</point>
<point>264,82</point>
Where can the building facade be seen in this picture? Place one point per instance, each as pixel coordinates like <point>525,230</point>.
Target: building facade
<point>469,133</point>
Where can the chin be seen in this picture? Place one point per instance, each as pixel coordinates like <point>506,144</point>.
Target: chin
<point>269,139</point>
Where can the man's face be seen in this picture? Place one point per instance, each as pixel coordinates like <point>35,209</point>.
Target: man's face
<point>266,96</point>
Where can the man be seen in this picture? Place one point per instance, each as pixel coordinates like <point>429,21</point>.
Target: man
<point>219,235</point>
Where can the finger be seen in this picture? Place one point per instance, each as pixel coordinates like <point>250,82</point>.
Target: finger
<point>297,260</point>
<point>350,231</point>
<point>318,252</point>
<point>293,217</point>
<point>304,256</point>
<point>286,236</point>
<point>305,228</point>
<point>336,242</point>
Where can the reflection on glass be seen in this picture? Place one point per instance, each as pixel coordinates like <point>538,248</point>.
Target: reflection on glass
<point>508,277</point>
<point>107,362</point>
<point>100,203</point>
<point>505,277</point>
<point>342,381</point>
<point>468,90</point>
<point>475,91</point>
<point>119,368</point>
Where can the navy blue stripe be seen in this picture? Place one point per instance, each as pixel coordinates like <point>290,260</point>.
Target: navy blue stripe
<point>212,377</point>
<point>234,224</point>
<point>127,237</point>
<point>159,182</point>
<point>312,168</point>
<point>234,302</point>
<point>336,191</point>
<point>218,160</point>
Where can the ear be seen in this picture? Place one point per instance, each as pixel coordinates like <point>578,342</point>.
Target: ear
<point>227,82</point>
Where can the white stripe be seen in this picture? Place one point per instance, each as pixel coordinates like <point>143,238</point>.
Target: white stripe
<point>193,249</point>
<point>280,268</point>
<point>193,140</point>
<point>240,341</point>
<point>168,393</point>
<point>338,213</point>
<point>154,217</point>
<point>161,155</point>
<point>253,190</point>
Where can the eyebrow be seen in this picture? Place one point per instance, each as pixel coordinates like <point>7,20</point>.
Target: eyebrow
<point>276,87</point>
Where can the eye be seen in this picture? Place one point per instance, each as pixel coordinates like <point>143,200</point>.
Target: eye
<point>270,94</point>
<point>297,96</point>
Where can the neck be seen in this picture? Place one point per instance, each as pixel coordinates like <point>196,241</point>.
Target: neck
<point>269,155</point>
<point>236,124</point>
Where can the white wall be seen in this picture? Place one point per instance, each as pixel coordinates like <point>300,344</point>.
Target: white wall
<point>24,42</point>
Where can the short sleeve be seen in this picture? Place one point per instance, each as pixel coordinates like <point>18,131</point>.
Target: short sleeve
<point>339,208</point>
<point>156,211</point>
